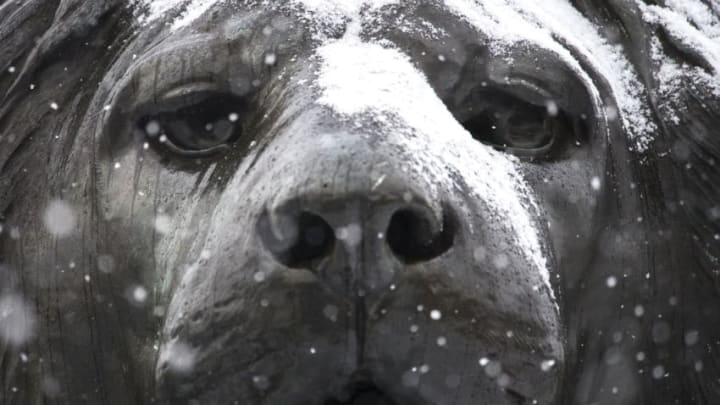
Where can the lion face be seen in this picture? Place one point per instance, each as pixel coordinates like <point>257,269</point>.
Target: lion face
<point>380,203</point>
<point>326,202</point>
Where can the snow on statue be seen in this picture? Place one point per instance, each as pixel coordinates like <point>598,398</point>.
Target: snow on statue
<point>359,202</point>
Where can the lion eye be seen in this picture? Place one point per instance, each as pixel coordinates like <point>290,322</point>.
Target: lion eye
<point>196,128</point>
<point>524,129</point>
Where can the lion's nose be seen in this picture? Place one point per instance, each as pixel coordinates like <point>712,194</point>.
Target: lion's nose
<point>358,240</point>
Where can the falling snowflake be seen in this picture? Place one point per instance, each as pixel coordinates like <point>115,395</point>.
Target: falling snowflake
<point>59,218</point>
<point>17,320</point>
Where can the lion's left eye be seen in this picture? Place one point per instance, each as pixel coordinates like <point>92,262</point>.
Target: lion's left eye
<point>521,128</point>
<point>197,128</point>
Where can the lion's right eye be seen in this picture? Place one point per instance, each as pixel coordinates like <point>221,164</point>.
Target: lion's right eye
<point>197,127</point>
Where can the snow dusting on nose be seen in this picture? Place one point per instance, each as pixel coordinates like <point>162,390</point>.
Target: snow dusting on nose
<point>357,77</point>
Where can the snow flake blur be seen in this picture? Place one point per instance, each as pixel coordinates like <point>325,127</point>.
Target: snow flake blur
<point>59,218</point>
<point>17,320</point>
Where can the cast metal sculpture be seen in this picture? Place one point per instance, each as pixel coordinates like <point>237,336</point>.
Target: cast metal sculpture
<point>359,202</point>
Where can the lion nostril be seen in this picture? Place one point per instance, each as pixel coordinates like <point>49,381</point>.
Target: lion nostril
<point>412,239</point>
<point>311,239</point>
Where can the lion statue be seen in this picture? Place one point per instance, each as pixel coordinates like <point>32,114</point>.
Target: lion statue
<point>326,202</point>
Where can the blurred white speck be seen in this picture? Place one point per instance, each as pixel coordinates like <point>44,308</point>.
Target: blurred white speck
<point>435,315</point>
<point>106,263</point>
<point>611,113</point>
<point>32,87</point>
<point>178,356</point>
<point>640,356</point>
<point>501,261</point>
<point>503,380</point>
<point>24,357</point>
<point>205,254</point>
<point>146,145</point>
<point>54,106</point>
<point>261,382</point>
<point>552,108</point>
<point>351,234</point>
<point>493,369</point>
<point>595,183</point>
<point>484,361</point>
<point>17,320</point>
<point>393,287</point>
<point>424,369</point>
<point>233,117</point>
<point>163,224</point>
<point>414,328</point>
<point>547,365</point>
<point>611,282</point>
<point>117,165</point>
<point>312,350</point>
<point>658,372</point>
<point>107,107</point>
<point>379,182</point>
<point>259,277</point>
<point>441,57</point>
<point>87,278</point>
<point>442,341</point>
<point>691,337</point>
<point>152,128</point>
<point>159,311</point>
<point>59,218</point>
<point>163,138</point>
<point>331,312</point>
<point>480,254</point>
<point>270,59</point>
<point>140,294</point>
<point>639,311</point>
<point>11,69</point>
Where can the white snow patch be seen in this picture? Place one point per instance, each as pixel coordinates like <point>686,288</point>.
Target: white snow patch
<point>325,12</point>
<point>700,14</point>
<point>680,28</point>
<point>194,10</point>
<point>336,11</point>
<point>672,76</point>
<point>157,8</point>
